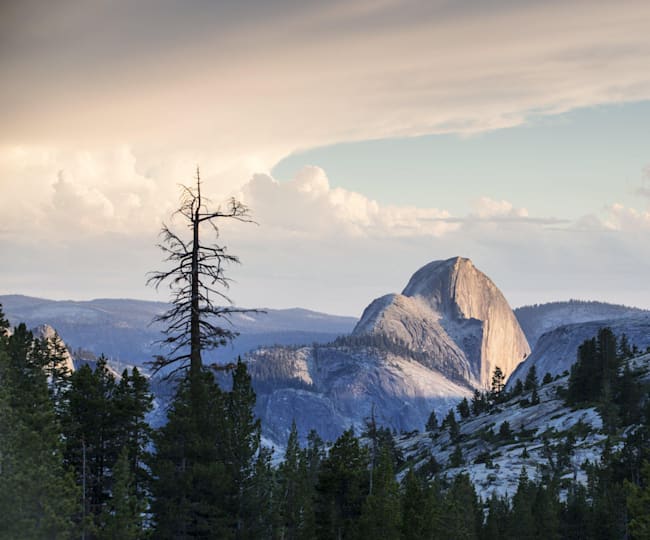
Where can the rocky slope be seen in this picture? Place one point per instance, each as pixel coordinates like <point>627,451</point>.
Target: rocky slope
<point>556,350</point>
<point>409,354</point>
<point>330,388</point>
<point>539,319</point>
<point>548,435</point>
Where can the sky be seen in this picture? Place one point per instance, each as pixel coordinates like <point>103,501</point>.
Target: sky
<point>367,137</point>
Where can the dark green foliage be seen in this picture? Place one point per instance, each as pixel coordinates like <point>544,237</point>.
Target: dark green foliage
<point>190,482</point>
<point>463,408</point>
<point>595,369</point>
<point>432,422</point>
<point>479,403</point>
<point>534,397</point>
<point>38,498</point>
<point>463,515</point>
<point>602,376</point>
<point>456,458</point>
<point>450,423</point>
<point>103,417</point>
<point>342,488</point>
<point>380,515</point>
<point>531,382</point>
<point>548,378</point>
<point>122,516</point>
<point>209,475</point>
<point>381,439</point>
<point>414,520</point>
<point>638,505</point>
<point>518,389</point>
<point>497,520</point>
<point>505,432</point>
<point>498,384</point>
<point>296,491</point>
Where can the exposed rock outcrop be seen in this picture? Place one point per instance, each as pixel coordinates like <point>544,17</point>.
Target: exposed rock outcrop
<point>455,315</point>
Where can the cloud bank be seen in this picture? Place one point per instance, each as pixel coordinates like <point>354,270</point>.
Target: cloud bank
<point>315,245</point>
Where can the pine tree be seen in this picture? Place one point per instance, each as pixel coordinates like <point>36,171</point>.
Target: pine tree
<point>463,408</point>
<point>523,522</point>
<point>463,513</point>
<point>132,402</point>
<point>122,516</point>
<point>242,443</point>
<point>456,458</point>
<point>295,491</point>
<point>342,488</point>
<point>531,382</point>
<point>575,514</point>
<point>497,519</point>
<point>380,515</point>
<point>37,494</point>
<point>638,505</point>
<point>414,516</point>
<point>479,403</point>
<point>432,422</point>
<point>196,279</point>
<point>452,426</point>
<point>91,430</point>
<point>498,384</point>
<point>190,480</point>
<point>505,432</point>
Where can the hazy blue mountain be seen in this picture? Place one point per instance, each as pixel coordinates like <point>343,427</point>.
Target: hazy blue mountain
<point>122,330</point>
<point>556,350</point>
<point>538,319</point>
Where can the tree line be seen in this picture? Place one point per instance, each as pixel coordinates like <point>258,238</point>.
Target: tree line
<point>78,460</point>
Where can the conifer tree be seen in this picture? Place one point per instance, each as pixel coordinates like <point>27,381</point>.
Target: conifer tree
<point>463,408</point>
<point>342,488</point>
<point>122,516</point>
<point>242,443</point>
<point>380,515</point>
<point>531,382</point>
<point>638,505</point>
<point>414,516</point>
<point>295,492</point>
<point>462,510</point>
<point>37,492</point>
<point>497,386</point>
<point>190,483</point>
<point>432,422</point>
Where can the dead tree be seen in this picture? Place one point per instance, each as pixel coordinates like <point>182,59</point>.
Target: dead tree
<point>198,283</point>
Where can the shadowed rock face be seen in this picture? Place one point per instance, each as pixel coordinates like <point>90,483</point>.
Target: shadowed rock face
<point>556,351</point>
<point>456,316</point>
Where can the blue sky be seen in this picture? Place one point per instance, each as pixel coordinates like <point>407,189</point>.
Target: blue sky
<point>564,165</point>
<point>369,137</point>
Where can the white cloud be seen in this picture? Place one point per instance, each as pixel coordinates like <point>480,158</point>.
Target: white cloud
<point>485,208</point>
<point>308,206</point>
<point>621,218</point>
<point>250,84</point>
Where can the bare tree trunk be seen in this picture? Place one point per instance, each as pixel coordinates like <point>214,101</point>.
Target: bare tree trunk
<point>195,331</point>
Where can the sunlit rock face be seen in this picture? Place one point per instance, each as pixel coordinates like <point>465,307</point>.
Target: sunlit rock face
<point>45,331</point>
<point>456,317</point>
<point>411,353</point>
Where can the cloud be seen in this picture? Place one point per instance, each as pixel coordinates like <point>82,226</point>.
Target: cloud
<point>308,206</point>
<point>250,83</point>
<point>621,218</point>
<point>316,245</point>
